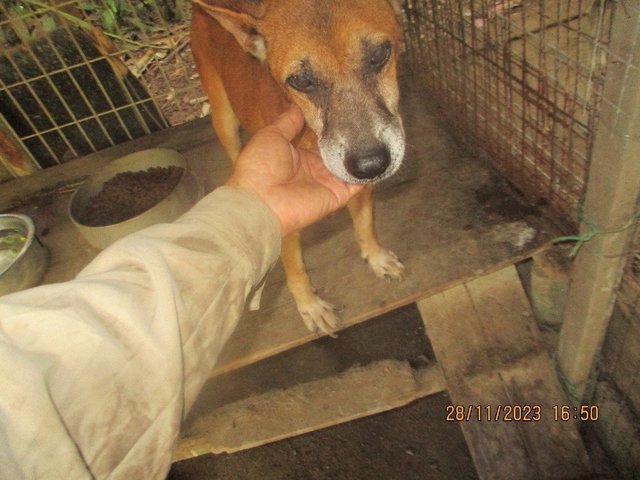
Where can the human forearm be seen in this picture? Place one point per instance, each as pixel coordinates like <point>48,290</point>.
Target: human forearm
<point>105,366</point>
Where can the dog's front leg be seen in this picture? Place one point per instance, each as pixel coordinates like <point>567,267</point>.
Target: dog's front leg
<point>384,263</point>
<point>315,312</point>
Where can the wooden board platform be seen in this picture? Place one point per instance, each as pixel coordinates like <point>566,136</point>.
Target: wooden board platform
<point>502,381</point>
<point>444,214</point>
<point>45,195</point>
<point>307,407</point>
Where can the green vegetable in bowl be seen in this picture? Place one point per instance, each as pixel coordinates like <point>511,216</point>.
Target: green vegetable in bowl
<point>12,240</point>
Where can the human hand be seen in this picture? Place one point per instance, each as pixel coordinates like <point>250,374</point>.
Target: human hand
<point>293,182</point>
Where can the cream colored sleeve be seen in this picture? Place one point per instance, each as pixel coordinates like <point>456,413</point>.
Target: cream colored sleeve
<point>97,373</point>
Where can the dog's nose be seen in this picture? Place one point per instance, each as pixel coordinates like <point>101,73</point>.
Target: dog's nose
<point>368,166</point>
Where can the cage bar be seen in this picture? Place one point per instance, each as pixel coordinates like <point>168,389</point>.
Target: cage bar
<point>67,89</point>
<point>521,79</point>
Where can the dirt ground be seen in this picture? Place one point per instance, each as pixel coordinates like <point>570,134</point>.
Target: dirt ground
<point>413,442</point>
<point>171,77</point>
<point>406,443</point>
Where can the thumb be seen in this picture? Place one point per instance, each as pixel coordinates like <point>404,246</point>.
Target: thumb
<point>290,122</point>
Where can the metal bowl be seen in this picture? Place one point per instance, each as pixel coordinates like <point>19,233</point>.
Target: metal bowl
<point>184,195</point>
<point>23,259</point>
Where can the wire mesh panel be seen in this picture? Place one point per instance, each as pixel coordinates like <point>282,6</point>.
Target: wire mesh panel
<point>79,76</point>
<point>521,80</point>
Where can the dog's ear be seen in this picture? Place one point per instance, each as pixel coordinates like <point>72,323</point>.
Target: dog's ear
<point>397,6</point>
<point>240,18</point>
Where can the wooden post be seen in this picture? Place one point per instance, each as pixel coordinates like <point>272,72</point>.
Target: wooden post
<point>610,204</point>
<point>13,156</point>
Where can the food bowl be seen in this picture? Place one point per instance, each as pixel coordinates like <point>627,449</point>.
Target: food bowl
<point>23,259</point>
<point>131,193</point>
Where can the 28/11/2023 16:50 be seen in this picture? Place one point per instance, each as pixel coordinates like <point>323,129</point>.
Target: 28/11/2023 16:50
<point>520,413</point>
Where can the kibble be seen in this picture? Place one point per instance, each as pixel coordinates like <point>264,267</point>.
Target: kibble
<point>129,194</point>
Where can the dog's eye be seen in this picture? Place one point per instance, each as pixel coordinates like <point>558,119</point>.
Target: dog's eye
<point>303,82</point>
<point>380,56</point>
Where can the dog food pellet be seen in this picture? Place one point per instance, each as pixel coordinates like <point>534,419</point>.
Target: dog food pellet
<point>129,194</point>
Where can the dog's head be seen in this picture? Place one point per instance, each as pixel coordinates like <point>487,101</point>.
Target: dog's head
<point>337,61</point>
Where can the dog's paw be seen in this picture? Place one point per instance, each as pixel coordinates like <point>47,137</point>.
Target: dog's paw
<point>319,315</point>
<point>385,264</point>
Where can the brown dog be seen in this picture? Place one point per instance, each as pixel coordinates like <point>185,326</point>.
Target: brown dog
<point>337,61</point>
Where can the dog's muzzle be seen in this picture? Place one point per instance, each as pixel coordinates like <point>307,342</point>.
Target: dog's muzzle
<point>368,166</point>
<point>364,159</point>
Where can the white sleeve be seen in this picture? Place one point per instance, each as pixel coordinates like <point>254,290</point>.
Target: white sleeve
<point>97,373</point>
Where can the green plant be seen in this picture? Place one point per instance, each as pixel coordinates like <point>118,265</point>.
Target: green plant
<point>123,15</point>
<point>22,24</point>
<point>114,16</point>
<point>111,12</point>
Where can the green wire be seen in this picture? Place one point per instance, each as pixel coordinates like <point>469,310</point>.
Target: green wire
<point>592,231</point>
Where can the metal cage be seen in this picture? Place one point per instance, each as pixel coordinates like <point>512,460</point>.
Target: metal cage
<point>522,81</point>
<point>77,77</point>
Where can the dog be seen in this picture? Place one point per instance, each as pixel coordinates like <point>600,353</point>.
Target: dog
<point>337,61</point>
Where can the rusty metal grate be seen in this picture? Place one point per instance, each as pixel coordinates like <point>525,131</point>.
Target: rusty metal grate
<point>522,82</point>
<point>78,76</point>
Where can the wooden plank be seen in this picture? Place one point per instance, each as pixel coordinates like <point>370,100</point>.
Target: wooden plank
<point>14,157</point>
<point>307,407</point>
<point>488,346</point>
<point>623,365</point>
<point>45,196</point>
<point>617,429</point>
<point>21,190</point>
<point>614,175</point>
<point>446,215</point>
